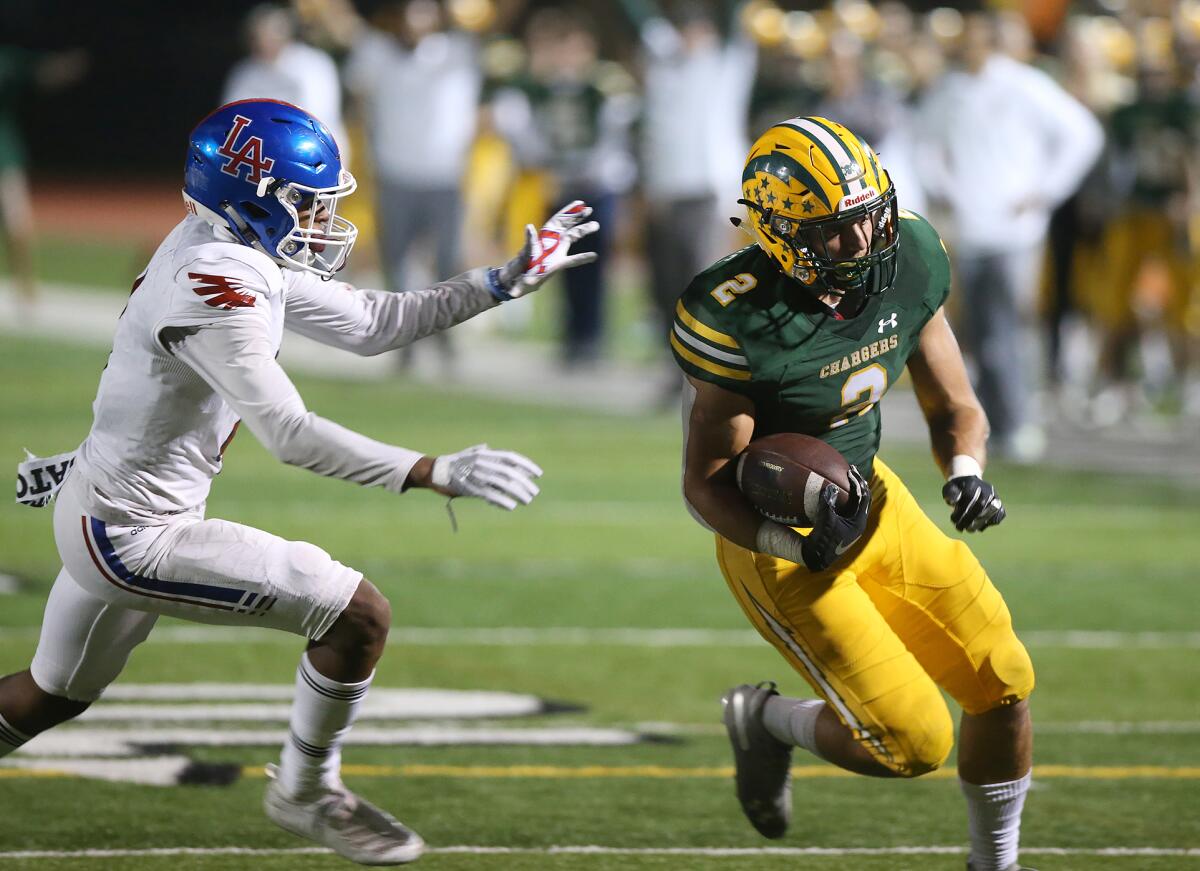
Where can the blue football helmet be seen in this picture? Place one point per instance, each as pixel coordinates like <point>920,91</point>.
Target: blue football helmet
<point>272,175</point>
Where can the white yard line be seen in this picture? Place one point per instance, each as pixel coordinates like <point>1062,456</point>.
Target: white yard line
<point>127,741</point>
<point>536,636</point>
<point>578,636</point>
<point>272,702</point>
<point>1188,852</point>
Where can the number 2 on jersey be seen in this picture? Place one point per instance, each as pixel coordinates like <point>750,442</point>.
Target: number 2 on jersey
<point>727,291</point>
<point>871,381</point>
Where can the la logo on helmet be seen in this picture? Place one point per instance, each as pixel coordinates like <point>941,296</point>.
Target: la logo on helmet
<point>250,154</point>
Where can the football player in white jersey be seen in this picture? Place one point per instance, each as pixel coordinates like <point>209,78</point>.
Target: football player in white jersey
<point>194,356</point>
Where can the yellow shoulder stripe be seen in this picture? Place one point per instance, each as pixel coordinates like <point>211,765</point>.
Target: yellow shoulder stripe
<point>906,215</point>
<point>707,365</point>
<point>702,330</point>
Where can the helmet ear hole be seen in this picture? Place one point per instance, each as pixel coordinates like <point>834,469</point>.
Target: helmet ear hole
<point>254,210</point>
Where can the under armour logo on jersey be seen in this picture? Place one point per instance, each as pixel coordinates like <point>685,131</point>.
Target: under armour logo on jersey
<point>250,154</point>
<point>888,322</point>
<point>222,292</point>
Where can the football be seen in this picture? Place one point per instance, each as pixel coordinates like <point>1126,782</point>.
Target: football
<point>783,474</point>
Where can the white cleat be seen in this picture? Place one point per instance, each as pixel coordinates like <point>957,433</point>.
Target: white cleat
<point>337,818</point>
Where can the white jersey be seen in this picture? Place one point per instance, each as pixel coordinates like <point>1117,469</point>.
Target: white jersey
<point>195,353</point>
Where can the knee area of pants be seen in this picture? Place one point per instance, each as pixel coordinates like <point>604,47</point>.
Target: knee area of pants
<point>1007,677</point>
<point>926,758</point>
<point>921,747</point>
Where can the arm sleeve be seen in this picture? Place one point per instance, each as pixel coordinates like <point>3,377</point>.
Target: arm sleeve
<point>237,360</point>
<point>369,322</point>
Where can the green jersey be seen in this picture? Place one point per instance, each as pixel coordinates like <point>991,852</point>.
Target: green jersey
<point>1158,138</point>
<point>745,326</point>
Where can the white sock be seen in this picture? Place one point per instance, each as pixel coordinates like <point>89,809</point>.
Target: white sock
<point>322,713</point>
<point>794,721</point>
<point>10,738</point>
<point>994,822</point>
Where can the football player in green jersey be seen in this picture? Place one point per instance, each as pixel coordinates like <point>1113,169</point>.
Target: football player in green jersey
<point>1156,148</point>
<point>875,608</point>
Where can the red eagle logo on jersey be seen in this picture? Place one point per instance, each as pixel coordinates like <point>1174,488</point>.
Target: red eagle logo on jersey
<point>250,154</point>
<point>222,292</point>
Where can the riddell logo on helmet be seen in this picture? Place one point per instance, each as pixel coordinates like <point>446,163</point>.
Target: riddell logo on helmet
<point>250,154</point>
<point>851,200</point>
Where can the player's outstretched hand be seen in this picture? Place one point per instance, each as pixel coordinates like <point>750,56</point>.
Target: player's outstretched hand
<point>546,252</point>
<point>835,532</point>
<point>503,478</point>
<point>975,503</point>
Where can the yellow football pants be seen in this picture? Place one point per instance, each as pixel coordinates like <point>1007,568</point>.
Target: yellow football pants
<point>907,611</point>
<point>1132,240</point>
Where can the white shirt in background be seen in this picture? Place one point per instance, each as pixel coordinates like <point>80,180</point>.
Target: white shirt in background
<point>695,109</point>
<point>420,104</point>
<point>301,75</point>
<point>989,143</point>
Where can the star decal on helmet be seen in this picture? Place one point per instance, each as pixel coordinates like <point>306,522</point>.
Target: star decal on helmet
<point>787,204</point>
<point>807,206</point>
<point>771,198</point>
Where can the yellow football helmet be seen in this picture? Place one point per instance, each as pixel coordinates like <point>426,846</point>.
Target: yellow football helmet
<point>823,209</point>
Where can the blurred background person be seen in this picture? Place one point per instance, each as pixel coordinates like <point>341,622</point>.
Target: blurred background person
<point>698,66</point>
<point>416,79</point>
<point>23,71</point>
<point>1001,144</point>
<point>281,67</point>
<point>1076,262</point>
<point>853,63</point>
<point>858,93</point>
<point>1156,161</point>
<point>567,118</point>
<point>854,95</point>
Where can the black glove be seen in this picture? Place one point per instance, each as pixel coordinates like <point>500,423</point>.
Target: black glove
<point>975,503</point>
<point>834,532</point>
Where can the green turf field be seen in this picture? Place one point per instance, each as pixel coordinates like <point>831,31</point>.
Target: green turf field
<point>1100,572</point>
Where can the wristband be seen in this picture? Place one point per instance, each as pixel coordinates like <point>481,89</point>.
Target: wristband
<point>779,541</point>
<point>964,466</point>
<point>495,287</point>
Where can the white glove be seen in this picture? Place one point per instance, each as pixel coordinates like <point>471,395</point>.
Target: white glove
<point>545,253</point>
<point>502,478</point>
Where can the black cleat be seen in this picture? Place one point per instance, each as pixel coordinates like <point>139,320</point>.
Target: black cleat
<point>1013,867</point>
<point>763,762</point>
